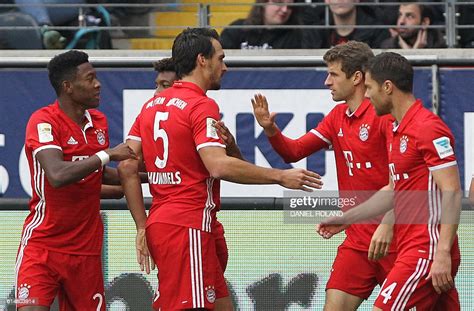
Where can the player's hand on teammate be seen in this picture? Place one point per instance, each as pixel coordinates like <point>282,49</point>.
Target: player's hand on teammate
<point>440,272</point>
<point>300,179</point>
<point>331,226</point>
<point>144,258</point>
<point>263,115</point>
<point>380,242</point>
<point>121,152</point>
<point>227,137</point>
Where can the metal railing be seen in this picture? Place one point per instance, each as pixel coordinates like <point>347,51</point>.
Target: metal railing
<point>204,14</point>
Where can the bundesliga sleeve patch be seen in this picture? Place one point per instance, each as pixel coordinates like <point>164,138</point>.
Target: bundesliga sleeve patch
<point>45,132</point>
<point>443,147</point>
<point>211,131</point>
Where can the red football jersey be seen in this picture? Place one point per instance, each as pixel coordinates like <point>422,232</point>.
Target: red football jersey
<point>172,127</point>
<point>421,144</point>
<point>65,219</point>
<point>360,141</point>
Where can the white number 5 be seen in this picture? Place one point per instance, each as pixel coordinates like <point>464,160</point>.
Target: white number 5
<point>161,133</point>
<point>99,303</point>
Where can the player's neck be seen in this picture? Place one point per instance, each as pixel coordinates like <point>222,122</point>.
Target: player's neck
<point>401,105</point>
<point>196,80</point>
<point>75,112</point>
<point>355,100</point>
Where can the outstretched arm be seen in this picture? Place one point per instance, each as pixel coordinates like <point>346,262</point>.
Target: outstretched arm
<point>221,166</point>
<point>291,150</point>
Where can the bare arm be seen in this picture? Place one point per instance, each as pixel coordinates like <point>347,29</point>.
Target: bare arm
<point>291,150</point>
<point>232,169</point>
<point>447,179</point>
<point>61,173</point>
<point>131,184</point>
<point>381,202</point>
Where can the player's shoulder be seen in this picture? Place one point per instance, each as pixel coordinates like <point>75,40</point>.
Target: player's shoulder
<point>426,120</point>
<point>46,113</point>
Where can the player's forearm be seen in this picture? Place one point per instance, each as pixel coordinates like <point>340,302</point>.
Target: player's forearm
<point>110,176</point>
<point>381,202</point>
<point>450,214</point>
<point>234,151</point>
<point>64,173</point>
<point>293,150</point>
<point>236,170</point>
<point>131,185</point>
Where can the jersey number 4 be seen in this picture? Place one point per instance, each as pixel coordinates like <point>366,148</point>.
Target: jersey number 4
<point>161,133</point>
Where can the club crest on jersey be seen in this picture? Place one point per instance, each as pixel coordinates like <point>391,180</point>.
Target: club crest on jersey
<point>23,291</point>
<point>100,136</point>
<point>210,294</point>
<point>403,144</point>
<point>364,132</point>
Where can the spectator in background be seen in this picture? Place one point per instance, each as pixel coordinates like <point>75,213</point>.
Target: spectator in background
<point>274,13</point>
<point>413,14</point>
<point>48,17</point>
<point>345,14</point>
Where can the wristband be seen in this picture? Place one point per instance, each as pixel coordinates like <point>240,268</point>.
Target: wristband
<point>104,157</point>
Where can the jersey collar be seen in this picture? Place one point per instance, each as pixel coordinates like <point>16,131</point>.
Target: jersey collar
<point>412,111</point>
<point>189,85</point>
<point>360,110</point>
<point>87,115</point>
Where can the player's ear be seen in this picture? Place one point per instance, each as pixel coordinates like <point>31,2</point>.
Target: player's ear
<point>358,77</point>
<point>201,60</point>
<point>387,87</point>
<point>66,86</point>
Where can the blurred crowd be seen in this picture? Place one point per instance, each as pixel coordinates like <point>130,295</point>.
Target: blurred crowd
<point>270,24</point>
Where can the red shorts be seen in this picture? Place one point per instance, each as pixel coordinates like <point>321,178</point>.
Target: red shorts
<point>221,245</point>
<point>189,273</point>
<point>43,274</point>
<point>406,287</point>
<point>353,273</point>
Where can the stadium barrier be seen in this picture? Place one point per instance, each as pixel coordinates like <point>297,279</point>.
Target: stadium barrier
<point>273,265</point>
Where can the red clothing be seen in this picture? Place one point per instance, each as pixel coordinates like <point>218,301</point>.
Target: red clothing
<point>64,219</point>
<point>421,144</point>
<point>189,271</point>
<point>360,142</point>
<point>182,120</point>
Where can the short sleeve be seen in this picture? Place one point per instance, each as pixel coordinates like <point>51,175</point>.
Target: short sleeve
<point>134,133</point>
<point>437,145</point>
<point>325,129</point>
<point>42,132</point>
<point>203,116</point>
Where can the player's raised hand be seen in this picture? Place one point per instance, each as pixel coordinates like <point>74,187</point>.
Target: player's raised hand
<point>144,258</point>
<point>121,152</point>
<point>300,179</point>
<point>440,272</point>
<point>380,242</point>
<point>262,114</point>
<point>330,227</point>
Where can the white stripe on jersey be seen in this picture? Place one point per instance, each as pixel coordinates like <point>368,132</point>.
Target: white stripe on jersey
<point>131,137</point>
<point>210,205</point>
<point>209,144</point>
<point>44,148</point>
<point>444,165</point>
<point>322,137</point>
<point>410,285</point>
<point>434,207</point>
<point>38,181</point>
<point>195,255</point>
